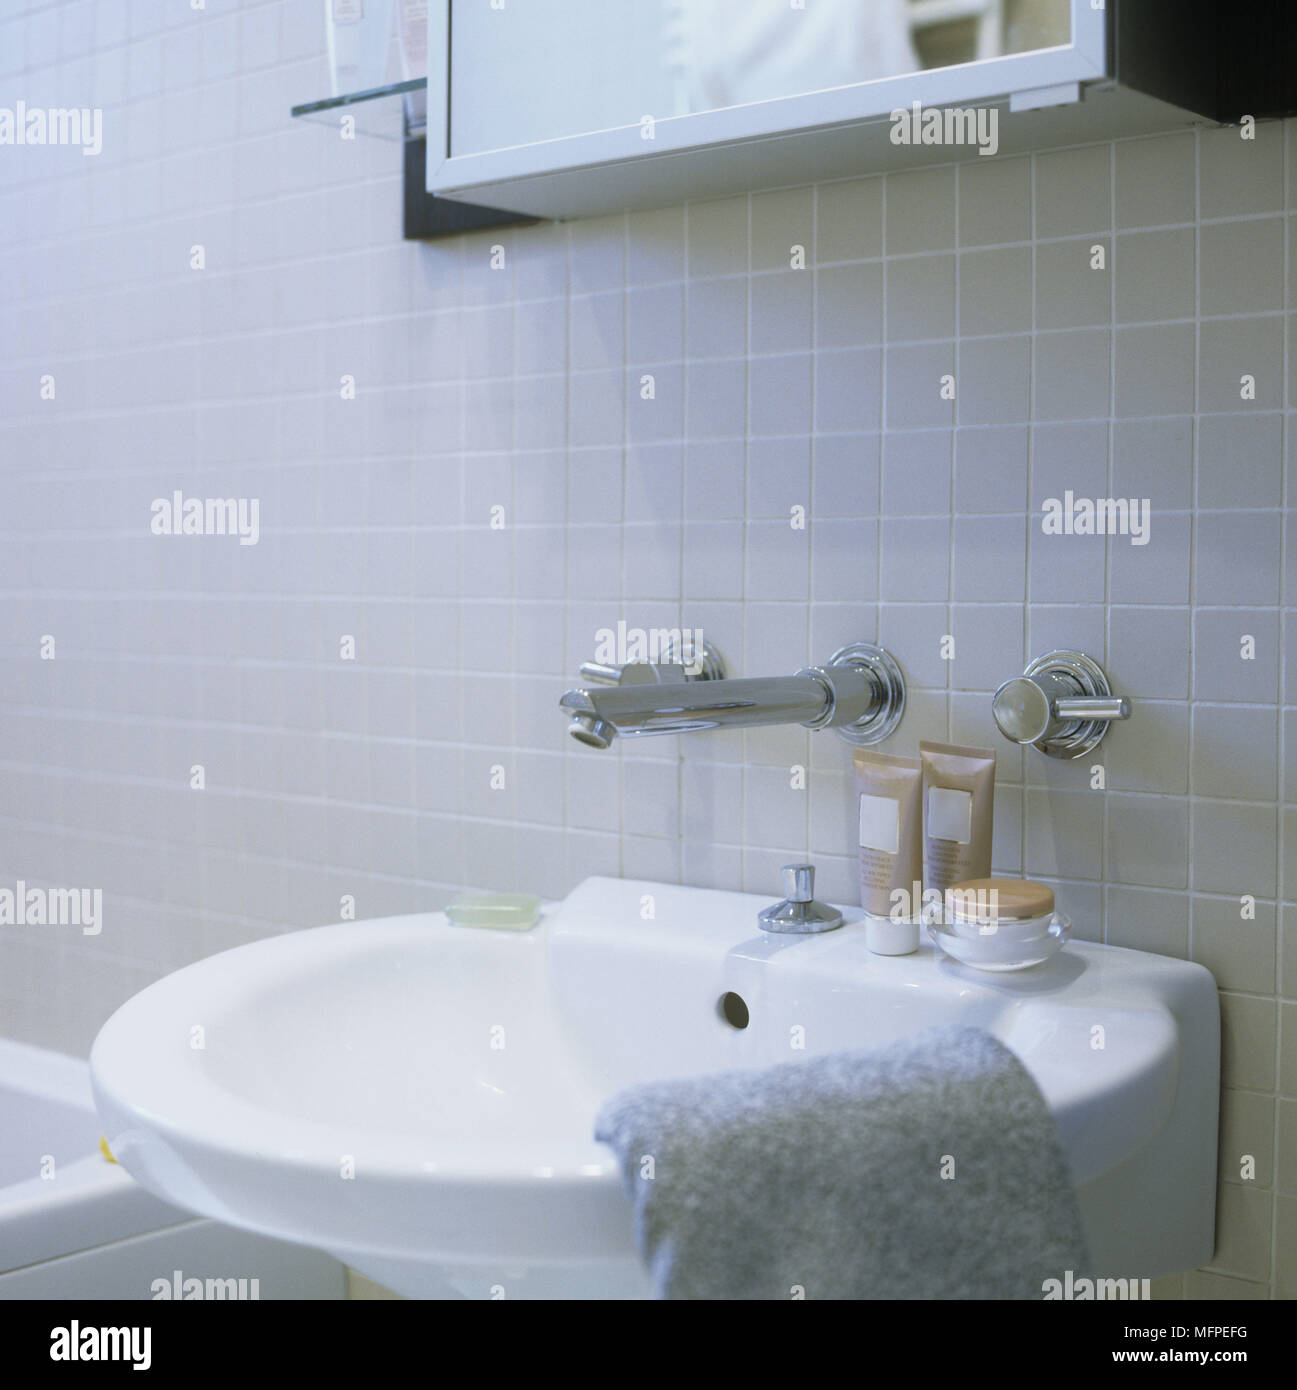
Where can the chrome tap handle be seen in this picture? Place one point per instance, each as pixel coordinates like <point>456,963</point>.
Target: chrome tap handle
<point>633,673</point>
<point>1092,707</point>
<point>1061,705</point>
<point>684,664</point>
<point>600,673</point>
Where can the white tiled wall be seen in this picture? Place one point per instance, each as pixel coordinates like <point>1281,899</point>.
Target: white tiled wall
<point>520,388</point>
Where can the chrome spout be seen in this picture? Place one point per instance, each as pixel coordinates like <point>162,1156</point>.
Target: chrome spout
<point>594,733</point>
<point>637,711</point>
<point>860,692</point>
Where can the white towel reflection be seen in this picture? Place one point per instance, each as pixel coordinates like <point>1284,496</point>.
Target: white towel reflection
<point>727,52</point>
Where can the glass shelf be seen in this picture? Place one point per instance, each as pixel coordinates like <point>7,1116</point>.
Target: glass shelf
<point>395,111</point>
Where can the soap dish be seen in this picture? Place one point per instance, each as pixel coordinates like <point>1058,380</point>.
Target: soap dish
<point>1012,946</point>
<point>510,911</point>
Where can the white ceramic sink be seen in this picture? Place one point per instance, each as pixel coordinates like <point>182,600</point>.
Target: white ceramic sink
<point>456,1073</point>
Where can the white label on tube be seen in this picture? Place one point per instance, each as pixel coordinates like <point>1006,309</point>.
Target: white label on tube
<point>880,823</point>
<point>950,814</point>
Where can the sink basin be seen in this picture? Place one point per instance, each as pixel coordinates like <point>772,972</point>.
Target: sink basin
<point>418,1098</point>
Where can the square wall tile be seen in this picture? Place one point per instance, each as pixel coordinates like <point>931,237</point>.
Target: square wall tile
<point>1242,266</point>
<point>1155,275</point>
<point>849,305</point>
<point>991,467</point>
<point>1073,190</point>
<point>655,324</point>
<point>1154,370</point>
<point>916,633</point>
<point>1066,569</point>
<point>1156,180</point>
<point>1066,627</point>
<point>1236,655</point>
<point>1237,949</point>
<point>921,385</point>
<point>1151,753</point>
<point>1240,364</point>
<point>995,381</point>
<point>995,291</point>
<point>849,220</point>
<point>779,476</point>
<point>916,472</point>
<point>1069,458</point>
<point>845,478</point>
<point>989,559</point>
<point>780,311</point>
<point>716,400</point>
<point>1064,834</point>
<point>1234,848</point>
<point>1235,752</point>
<point>782,222</point>
<point>844,561</point>
<point>1072,375</point>
<point>1148,841</point>
<point>714,479</point>
<point>920,297</point>
<point>994,201</point>
<point>1237,558</point>
<point>1247,1136</point>
<point>1148,652</point>
<point>774,811</point>
<point>848,391</point>
<point>1240,461</point>
<point>1249,1030</point>
<point>1157,572</point>
<point>716,318</point>
<point>921,210</point>
<point>596,330</point>
<point>1243,1223</point>
<point>777,562</point>
<point>718,237</point>
<point>779,397</point>
<point>1146,919</point>
<point>1241,176</point>
<point>988,642</point>
<point>655,246</point>
<point>916,559</point>
<point>713,559</point>
<point>1071,290</point>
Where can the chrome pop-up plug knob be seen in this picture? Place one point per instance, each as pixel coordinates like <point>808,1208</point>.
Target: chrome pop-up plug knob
<point>799,913</point>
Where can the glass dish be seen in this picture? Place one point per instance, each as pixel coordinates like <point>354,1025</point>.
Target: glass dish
<point>1008,948</point>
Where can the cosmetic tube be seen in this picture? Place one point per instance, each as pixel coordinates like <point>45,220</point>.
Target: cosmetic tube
<point>958,811</point>
<point>889,805</point>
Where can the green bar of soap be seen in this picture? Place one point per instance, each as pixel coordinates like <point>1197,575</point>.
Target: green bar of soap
<point>514,911</point>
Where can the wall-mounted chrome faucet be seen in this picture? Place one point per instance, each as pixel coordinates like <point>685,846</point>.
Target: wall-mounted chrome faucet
<point>860,692</point>
<point>1062,704</point>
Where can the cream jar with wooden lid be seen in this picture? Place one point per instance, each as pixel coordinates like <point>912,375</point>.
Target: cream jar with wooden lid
<point>1000,923</point>
<point>994,906</point>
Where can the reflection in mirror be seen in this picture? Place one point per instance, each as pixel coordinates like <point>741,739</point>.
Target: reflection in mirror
<point>968,30</point>
<point>554,68</point>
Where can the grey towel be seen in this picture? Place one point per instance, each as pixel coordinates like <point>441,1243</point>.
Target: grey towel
<point>930,1168</point>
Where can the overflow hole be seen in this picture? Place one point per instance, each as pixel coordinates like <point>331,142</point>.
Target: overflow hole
<point>733,1010</point>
